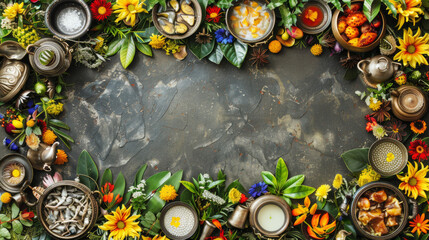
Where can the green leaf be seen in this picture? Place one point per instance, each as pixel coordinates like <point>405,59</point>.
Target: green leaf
<point>371,8</point>
<point>144,48</point>
<point>119,185</point>
<point>269,178</point>
<point>298,192</point>
<point>349,3</point>
<point>37,131</point>
<point>282,173</point>
<point>287,17</point>
<point>215,183</point>
<point>128,50</point>
<point>58,123</point>
<point>237,185</point>
<point>155,204</point>
<point>224,4</point>
<point>391,7</point>
<point>28,131</point>
<point>235,53</point>
<point>62,134</point>
<point>58,88</point>
<point>216,56</point>
<point>356,160</point>
<point>331,208</point>
<point>275,4</point>
<point>348,226</point>
<point>186,196</point>
<point>26,223</point>
<point>4,233</point>
<point>145,35</point>
<point>114,47</point>
<point>203,4</point>
<point>107,177</point>
<point>288,201</point>
<point>139,175</point>
<point>66,143</point>
<point>189,186</point>
<point>156,180</point>
<point>163,3</point>
<point>22,139</point>
<point>200,50</point>
<point>294,181</point>
<point>337,4</point>
<point>17,227</point>
<point>86,166</point>
<point>15,210</point>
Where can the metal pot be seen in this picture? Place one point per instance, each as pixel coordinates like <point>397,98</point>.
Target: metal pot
<point>255,208</point>
<point>50,57</point>
<point>409,103</point>
<point>13,75</point>
<point>40,208</point>
<point>401,197</point>
<point>377,69</point>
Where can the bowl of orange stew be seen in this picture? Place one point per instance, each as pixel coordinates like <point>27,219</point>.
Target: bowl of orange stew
<point>315,17</point>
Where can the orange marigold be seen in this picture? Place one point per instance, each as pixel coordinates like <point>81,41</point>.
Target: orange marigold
<point>49,137</point>
<point>61,157</point>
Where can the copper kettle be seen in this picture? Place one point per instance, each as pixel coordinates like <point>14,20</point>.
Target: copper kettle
<point>377,69</point>
<point>409,103</point>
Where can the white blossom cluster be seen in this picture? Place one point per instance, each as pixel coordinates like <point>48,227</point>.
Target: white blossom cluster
<point>7,23</point>
<point>213,197</point>
<point>138,191</point>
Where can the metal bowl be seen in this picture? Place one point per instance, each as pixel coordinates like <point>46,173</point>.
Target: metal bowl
<point>261,39</point>
<point>18,158</point>
<point>257,205</point>
<point>68,183</point>
<point>171,235</point>
<point>378,152</point>
<point>327,13</point>
<point>77,12</point>
<point>349,47</point>
<point>401,197</point>
<point>198,18</point>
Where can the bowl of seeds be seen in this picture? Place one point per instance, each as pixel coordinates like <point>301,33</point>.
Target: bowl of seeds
<point>178,221</point>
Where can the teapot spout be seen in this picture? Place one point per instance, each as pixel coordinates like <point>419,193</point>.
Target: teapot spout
<point>49,154</point>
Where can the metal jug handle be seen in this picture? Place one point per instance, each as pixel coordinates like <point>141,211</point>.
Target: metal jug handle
<point>399,65</point>
<point>31,48</point>
<point>344,207</point>
<point>24,198</point>
<point>96,192</point>
<point>394,93</point>
<point>415,208</point>
<point>361,69</point>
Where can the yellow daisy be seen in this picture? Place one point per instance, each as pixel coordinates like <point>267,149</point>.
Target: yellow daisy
<point>234,195</point>
<point>409,11</point>
<point>338,181</point>
<point>412,48</point>
<point>322,192</point>
<point>128,9</point>
<point>13,10</point>
<point>168,193</point>
<point>121,224</point>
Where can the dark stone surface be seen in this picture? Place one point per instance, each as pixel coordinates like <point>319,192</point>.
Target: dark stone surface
<point>201,117</point>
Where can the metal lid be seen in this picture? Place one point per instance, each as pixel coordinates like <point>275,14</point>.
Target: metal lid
<point>19,159</point>
<point>388,156</point>
<point>13,75</point>
<point>327,16</point>
<point>411,100</point>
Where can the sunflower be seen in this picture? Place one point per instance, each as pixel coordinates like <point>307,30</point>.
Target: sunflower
<point>13,10</point>
<point>121,224</point>
<point>412,48</point>
<point>128,9</point>
<point>418,150</point>
<point>61,157</point>
<point>418,126</point>
<point>414,182</point>
<point>419,224</point>
<point>167,193</point>
<point>101,9</point>
<point>322,192</point>
<point>408,11</point>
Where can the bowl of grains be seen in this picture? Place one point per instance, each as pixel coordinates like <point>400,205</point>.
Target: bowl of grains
<point>68,19</point>
<point>178,220</point>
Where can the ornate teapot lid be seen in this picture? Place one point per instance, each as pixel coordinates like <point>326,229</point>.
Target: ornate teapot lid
<point>411,100</point>
<point>13,75</point>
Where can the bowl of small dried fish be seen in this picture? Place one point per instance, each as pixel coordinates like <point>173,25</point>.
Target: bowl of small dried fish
<point>179,20</point>
<point>380,211</point>
<point>67,210</point>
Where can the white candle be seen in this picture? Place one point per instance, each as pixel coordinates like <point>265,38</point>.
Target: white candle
<point>271,217</point>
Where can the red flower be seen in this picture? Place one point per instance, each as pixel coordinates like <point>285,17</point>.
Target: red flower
<point>27,215</point>
<point>108,187</point>
<point>418,150</point>
<point>34,1</point>
<point>42,125</point>
<point>243,198</point>
<point>108,198</point>
<point>101,9</point>
<point>213,14</point>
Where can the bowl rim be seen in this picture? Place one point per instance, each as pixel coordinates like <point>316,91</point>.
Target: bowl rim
<point>265,37</point>
<point>347,46</point>
<point>165,210</point>
<point>79,186</point>
<point>398,193</point>
<point>54,4</point>
<point>191,30</point>
<point>28,168</point>
<point>398,144</point>
<point>317,29</point>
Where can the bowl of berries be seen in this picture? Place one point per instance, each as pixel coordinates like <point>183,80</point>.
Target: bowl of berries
<point>354,32</point>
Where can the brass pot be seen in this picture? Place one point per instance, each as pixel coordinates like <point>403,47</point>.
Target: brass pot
<point>349,47</point>
<point>255,210</point>
<point>409,103</point>
<point>69,183</point>
<point>49,57</point>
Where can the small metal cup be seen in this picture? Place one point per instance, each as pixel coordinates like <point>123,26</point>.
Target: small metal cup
<point>238,217</point>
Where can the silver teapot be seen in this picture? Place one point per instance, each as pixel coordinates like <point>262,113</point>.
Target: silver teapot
<point>377,69</point>
<point>43,157</point>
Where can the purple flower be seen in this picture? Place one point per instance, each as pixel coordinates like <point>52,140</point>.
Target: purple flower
<point>258,189</point>
<point>12,146</point>
<point>337,49</point>
<point>223,36</point>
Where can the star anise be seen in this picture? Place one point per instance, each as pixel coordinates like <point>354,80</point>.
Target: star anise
<point>203,37</point>
<point>383,112</point>
<point>350,61</point>
<point>259,57</point>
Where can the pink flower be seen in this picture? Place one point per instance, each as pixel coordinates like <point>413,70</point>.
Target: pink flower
<point>48,180</point>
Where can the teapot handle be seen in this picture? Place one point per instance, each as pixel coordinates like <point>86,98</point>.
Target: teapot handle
<point>362,69</point>
<point>31,48</point>
<point>415,208</point>
<point>24,198</point>
<point>345,205</point>
<point>394,93</point>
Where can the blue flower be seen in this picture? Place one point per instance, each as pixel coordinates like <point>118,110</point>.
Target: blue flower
<point>223,36</point>
<point>12,146</point>
<point>258,189</point>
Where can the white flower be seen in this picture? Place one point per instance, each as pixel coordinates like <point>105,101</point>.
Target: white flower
<point>212,197</point>
<point>206,176</point>
<point>383,96</point>
<point>359,93</point>
<point>367,100</point>
<point>137,194</point>
<point>378,131</point>
<point>379,87</point>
